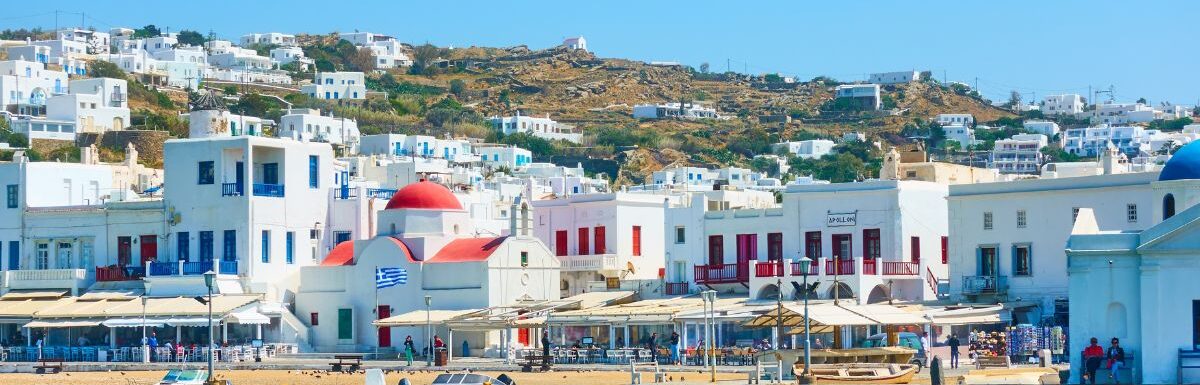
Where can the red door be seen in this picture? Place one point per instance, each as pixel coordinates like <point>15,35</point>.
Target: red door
<point>149,248</point>
<point>598,237</point>
<point>385,333</point>
<point>747,249</point>
<point>560,243</point>
<point>915,246</point>
<point>124,251</point>
<point>523,336</point>
<point>841,247</point>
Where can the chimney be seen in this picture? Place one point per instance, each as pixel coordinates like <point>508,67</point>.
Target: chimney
<point>525,219</point>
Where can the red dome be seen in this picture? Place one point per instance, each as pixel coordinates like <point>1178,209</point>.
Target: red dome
<point>424,195</point>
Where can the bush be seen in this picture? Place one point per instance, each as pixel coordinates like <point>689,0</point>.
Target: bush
<point>457,87</point>
<point>103,69</point>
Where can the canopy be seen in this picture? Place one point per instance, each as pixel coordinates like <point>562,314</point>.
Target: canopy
<point>823,317</point>
<point>134,323</point>
<point>68,323</point>
<point>39,294</point>
<point>970,315</point>
<point>645,312</point>
<point>420,317</point>
<point>248,317</point>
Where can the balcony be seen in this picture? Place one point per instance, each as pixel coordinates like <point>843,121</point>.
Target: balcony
<point>380,193</point>
<point>985,284</point>
<point>900,268</point>
<point>268,190</point>
<point>47,279</point>
<point>722,273</point>
<point>116,273</point>
<point>116,99</point>
<point>798,268</point>
<point>840,267</point>
<point>869,267</point>
<point>190,268</point>
<point>231,190</point>
<point>769,269</point>
<point>677,288</point>
<point>595,262</point>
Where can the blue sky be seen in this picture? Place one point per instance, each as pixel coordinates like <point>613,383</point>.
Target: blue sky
<point>1142,49</point>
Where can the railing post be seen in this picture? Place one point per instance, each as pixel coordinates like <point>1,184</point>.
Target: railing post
<point>146,267</point>
<point>180,272</point>
<point>858,266</point>
<point>216,265</point>
<point>753,268</point>
<point>821,266</point>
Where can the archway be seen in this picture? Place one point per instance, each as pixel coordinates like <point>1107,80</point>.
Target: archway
<point>843,291</point>
<point>1118,323</point>
<point>1168,206</point>
<point>768,292</point>
<point>878,294</point>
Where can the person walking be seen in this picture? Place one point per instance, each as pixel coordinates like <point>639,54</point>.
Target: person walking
<point>545,343</point>
<point>674,348</point>
<point>1116,360</point>
<point>409,349</point>
<point>1091,361</point>
<point>953,343</point>
<point>152,342</point>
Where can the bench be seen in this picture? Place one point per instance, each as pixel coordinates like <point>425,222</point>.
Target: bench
<point>1128,369</point>
<point>992,362</point>
<point>52,365</point>
<point>772,372</point>
<point>635,376</point>
<point>350,361</point>
<point>544,363</point>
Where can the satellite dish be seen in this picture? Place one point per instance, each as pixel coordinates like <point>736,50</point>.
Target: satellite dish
<point>629,266</point>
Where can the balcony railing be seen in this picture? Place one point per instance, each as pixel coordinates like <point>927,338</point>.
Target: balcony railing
<point>117,97</point>
<point>268,190</point>
<point>381,193</point>
<point>869,267</point>
<point>231,190</point>
<point>769,269</point>
<point>118,273</point>
<point>596,262</point>
<point>841,267</point>
<point>900,268</point>
<point>813,267</point>
<point>985,284</point>
<point>677,288</point>
<point>345,192</point>
<point>723,273</point>
<point>46,275</point>
<point>179,268</point>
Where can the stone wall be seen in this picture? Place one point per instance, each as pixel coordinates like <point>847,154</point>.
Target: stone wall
<point>148,143</point>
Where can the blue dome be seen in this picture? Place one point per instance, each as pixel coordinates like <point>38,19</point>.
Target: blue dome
<point>1185,164</point>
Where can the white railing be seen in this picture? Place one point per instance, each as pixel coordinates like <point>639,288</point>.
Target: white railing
<point>46,275</point>
<point>589,262</point>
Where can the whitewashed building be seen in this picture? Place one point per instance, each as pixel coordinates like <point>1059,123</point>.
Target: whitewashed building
<point>1020,154</point>
<point>542,127</point>
<point>26,85</point>
<point>95,105</point>
<point>512,157</point>
<point>269,38</point>
<point>807,149</point>
<point>577,42</point>
<point>865,95</point>
<point>901,77</point>
<point>310,126</point>
<point>287,55</point>
<point>955,119</point>
<point>1044,127</point>
<point>1065,104</point>
<point>97,42</point>
<point>337,86</point>
<point>674,110</point>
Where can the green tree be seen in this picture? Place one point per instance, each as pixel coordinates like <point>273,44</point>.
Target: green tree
<point>457,87</point>
<point>147,31</point>
<point>104,69</point>
<point>704,67</point>
<point>193,38</point>
<point>765,165</point>
<point>840,168</point>
<point>1142,101</point>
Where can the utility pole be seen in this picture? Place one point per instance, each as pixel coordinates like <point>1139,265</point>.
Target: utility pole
<point>726,64</point>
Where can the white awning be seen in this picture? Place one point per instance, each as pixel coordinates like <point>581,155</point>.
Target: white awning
<point>66,323</point>
<point>134,322</point>
<point>970,316</point>
<point>191,321</point>
<point>248,317</point>
<point>420,317</point>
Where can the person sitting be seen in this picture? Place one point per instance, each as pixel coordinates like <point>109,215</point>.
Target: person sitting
<point>1092,355</point>
<point>1116,360</point>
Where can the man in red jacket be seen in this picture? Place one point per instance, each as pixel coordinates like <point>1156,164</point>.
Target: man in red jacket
<point>1092,355</point>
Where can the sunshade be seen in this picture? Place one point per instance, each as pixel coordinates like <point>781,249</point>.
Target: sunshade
<point>420,317</point>
<point>68,323</point>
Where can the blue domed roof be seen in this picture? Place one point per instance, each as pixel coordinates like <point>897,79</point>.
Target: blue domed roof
<point>1185,164</point>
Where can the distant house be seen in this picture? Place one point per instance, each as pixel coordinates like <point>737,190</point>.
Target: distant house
<point>674,110</point>
<point>901,77</point>
<point>574,43</point>
<point>542,127</point>
<point>337,86</point>
<point>867,95</point>
<point>1020,154</point>
<point>271,38</point>
<point>807,149</point>
<point>1066,104</point>
<point>948,119</point>
<point>1043,127</point>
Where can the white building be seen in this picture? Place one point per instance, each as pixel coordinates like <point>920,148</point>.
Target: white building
<point>97,42</point>
<point>807,149</point>
<point>1020,154</point>
<point>310,126</point>
<point>1044,127</point>
<point>1091,141</point>
<point>209,118</point>
<point>674,110</point>
<point>288,55</point>
<point>337,86</point>
<point>1066,104</point>
<point>239,58</point>
<point>542,127</point>
<point>95,105</point>
<point>901,77</point>
<point>387,51</point>
<point>601,237</point>
<point>452,150</point>
<point>511,157</point>
<point>961,133</point>
<point>26,85</point>
<point>960,119</point>
<point>694,176</point>
<point>866,95</point>
<point>269,38</point>
<point>574,43</point>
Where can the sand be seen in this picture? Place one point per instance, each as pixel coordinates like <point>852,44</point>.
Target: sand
<point>298,377</point>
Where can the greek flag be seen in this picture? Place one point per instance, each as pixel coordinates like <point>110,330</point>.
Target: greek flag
<point>390,276</point>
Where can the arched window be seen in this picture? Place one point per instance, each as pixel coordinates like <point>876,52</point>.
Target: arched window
<point>1168,206</point>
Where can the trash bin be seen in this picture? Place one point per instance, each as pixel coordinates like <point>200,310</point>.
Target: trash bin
<point>439,357</point>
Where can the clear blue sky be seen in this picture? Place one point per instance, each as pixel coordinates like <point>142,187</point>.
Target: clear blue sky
<point>1143,49</point>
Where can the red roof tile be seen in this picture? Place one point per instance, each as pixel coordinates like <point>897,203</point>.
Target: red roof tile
<point>341,255</point>
<point>467,250</point>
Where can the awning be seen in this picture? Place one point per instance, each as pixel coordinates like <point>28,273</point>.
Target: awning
<point>823,317</point>
<point>134,323</point>
<point>191,321</point>
<point>248,317</point>
<point>420,317</point>
<point>38,294</point>
<point>970,316</point>
<point>69,323</point>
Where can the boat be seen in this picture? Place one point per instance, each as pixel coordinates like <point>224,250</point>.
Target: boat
<point>184,377</point>
<point>865,373</point>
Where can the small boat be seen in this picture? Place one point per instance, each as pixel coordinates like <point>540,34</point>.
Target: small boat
<point>864,373</point>
<point>184,377</point>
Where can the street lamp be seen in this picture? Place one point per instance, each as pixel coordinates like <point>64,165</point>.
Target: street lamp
<point>710,299</point>
<point>806,376</point>
<point>428,331</point>
<point>209,280</point>
<point>779,309</point>
<point>145,342</point>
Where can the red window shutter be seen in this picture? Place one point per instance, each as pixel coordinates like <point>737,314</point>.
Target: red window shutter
<point>716,250</point>
<point>915,246</point>
<point>775,246</point>
<point>598,233</point>
<point>945,250</point>
<point>637,241</point>
<point>560,243</point>
<point>583,241</point>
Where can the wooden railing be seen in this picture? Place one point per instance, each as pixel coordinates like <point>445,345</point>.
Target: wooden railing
<point>841,267</point>
<point>901,268</point>
<point>769,269</point>
<point>814,268</point>
<point>869,267</point>
<point>723,273</point>
<point>931,280</point>
<point>677,288</point>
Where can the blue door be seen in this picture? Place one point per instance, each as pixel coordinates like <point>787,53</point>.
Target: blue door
<point>240,178</point>
<point>14,255</point>
<point>270,173</point>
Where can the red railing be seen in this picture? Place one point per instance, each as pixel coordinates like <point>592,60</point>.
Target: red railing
<point>901,268</point>
<point>769,269</point>
<point>931,280</point>
<point>114,273</point>
<point>677,288</point>
<point>723,273</point>
<point>841,267</point>
<point>813,268</point>
<point>869,267</point>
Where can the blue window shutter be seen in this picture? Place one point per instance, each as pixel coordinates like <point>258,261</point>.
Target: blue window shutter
<point>266,246</point>
<point>291,235</point>
<point>979,260</point>
<point>1013,258</point>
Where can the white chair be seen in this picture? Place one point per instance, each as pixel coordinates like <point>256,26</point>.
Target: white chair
<point>644,355</point>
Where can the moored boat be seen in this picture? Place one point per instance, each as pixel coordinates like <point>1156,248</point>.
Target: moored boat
<point>862,373</point>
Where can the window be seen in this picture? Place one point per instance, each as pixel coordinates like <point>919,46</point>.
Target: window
<point>812,245</point>
<point>987,220</point>
<point>41,260</point>
<point>680,234</point>
<point>1022,261</point>
<point>12,196</point>
<point>206,246</point>
<point>716,250</point>
<point>205,172</point>
<point>182,246</point>
<point>1131,213</point>
<point>340,236</point>
<point>1074,214</point>
<point>774,246</point>
<point>599,246</point>
<point>637,241</point>
<point>14,255</point>
<point>289,244</point>
<point>870,244</point>
<point>312,171</point>
<point>945,250</point>
<point>583,240</point>
<point>266,246</point>
<point>1168,204</point>
<point>229,250</point>
<point>1021,219</point>
<point>524,259</point>
<point>987,261</point>
<point>560,243</point>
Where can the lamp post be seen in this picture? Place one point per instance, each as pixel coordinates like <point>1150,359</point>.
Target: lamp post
<point>428,331</point>
<point>145,342</point>
<point>779,310</point>
<point>710,298</point>
<point>209,280</point>
<point>806,376</point>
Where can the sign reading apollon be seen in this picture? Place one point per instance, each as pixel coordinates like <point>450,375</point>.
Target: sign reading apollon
<point>841,219</point>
